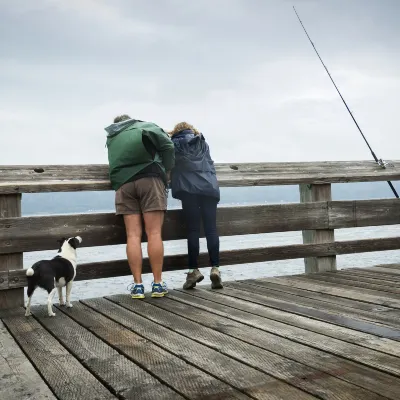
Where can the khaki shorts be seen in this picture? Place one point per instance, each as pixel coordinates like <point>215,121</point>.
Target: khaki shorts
<point>141,196</point>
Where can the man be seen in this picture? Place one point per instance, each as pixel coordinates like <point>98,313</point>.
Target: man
<point>141,156</point>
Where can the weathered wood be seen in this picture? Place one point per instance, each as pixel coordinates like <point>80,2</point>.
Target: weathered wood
<point>318,296</point>
<point>53,178</point>
<point>10,206</point>
<point>312,193</point>
<point>371,277</point>
<point>123,377</point>
<point>110,269</point>
<point>230,304</point>
<point>67,378</point>
<point>286,369</point>
<point>350,372</point>
<point>186,379</point>
<point>386,271</point>
<point>41,233</point>
<point>340,290</point>
<point>235,374</point>
<point>18,378</point>
<point>365,321</point>
<point>247,311</point>
<point>342,280</point>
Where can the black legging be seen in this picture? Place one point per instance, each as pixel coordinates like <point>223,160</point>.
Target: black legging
<point>197,208</point>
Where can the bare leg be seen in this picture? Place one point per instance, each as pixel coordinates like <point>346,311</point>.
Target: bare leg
<point>28,307</point>
<point>133,226</point>
<point>153,222</point>
<point>68,294</point>
<point>60,296</point>
<point>50,303</point>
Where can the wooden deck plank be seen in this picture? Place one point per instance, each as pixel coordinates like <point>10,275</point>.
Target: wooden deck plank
<point>381,274</point>
<point>368,279</point>
<point>336,290</point>
<point>124,378</point>
<point>391,266</point>
<point>391,279</point>
<point>67,378</point>
<point>387,271</point>
<point>342,280</point>
<point>252,314</point>
<point>18,378</point>
<point>289,371</point>
<point>338,332</point>
<point>186,379</point>
<point>365,377</point>
<point>354,275</point>
<point>348,303</point>
<point>236,374</point>
<point>385,324</point>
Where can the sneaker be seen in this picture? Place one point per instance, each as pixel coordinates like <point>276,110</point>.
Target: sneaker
<point>165,288</point>
<point>158,289</point>
<point>215,276</point>
<point>192,278</point>
<point>137,291</point>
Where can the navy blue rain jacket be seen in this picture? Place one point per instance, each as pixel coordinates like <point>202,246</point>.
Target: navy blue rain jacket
<point>194,170</point>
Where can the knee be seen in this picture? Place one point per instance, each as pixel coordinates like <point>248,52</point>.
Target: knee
<point>153,235</point>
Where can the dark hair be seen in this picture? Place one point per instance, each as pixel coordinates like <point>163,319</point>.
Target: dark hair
<point>121,118</point>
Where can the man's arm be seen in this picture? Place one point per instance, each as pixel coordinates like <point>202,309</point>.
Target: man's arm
<point>163,145</point>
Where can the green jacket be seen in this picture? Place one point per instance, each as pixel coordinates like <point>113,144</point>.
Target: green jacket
<point>127,155</point>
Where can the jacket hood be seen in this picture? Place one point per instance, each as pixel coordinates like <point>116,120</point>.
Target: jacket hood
<point>118,127</point>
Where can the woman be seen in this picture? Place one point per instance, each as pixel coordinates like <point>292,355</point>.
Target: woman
<point>194,182</point>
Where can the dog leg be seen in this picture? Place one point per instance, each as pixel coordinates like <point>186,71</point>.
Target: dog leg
<point>68,290</point>
<point>50,303</point>
<point>28,307</point>
<point>60,296</point>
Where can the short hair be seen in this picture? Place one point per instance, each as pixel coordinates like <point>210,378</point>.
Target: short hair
<point>121,118</point>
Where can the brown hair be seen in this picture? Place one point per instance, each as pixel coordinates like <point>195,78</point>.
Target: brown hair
<point>181,126</point>
<point>121,118</point>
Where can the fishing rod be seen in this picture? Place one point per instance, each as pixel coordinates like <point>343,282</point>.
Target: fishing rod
<point>380,162</point>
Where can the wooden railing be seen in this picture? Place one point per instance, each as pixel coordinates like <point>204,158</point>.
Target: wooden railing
<point>317,216</point>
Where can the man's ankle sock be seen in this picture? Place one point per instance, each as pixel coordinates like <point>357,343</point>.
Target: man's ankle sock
<point>191,270</point>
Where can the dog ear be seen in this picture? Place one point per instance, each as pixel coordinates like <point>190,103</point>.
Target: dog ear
<point>61,241</point>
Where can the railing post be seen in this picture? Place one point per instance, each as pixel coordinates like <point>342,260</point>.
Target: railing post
<point>309,193</point>
<point>10,206</point>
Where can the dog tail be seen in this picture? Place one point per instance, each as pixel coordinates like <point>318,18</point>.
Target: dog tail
<point>30,272</point>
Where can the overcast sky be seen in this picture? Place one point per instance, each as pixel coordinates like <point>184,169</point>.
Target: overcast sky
<point>242,71</point>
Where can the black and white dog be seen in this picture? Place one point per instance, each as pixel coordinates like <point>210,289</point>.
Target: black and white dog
<point>54,274</point>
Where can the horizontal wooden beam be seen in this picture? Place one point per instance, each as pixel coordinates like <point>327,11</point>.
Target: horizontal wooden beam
<point>41,233</point>
<point>110,269</point>
<point>68,178</point>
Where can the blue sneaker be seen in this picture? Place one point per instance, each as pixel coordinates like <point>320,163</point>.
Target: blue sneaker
<point>158,289</point>
<point>137,291</point>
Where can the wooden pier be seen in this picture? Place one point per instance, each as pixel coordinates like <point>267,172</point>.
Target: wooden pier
<point>326,334</point>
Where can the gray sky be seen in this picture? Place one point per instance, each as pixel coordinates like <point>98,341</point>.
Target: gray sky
<point>242,71</point>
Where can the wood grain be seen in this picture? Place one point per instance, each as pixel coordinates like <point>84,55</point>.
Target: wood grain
<point>123,377</point>
<point>239,306</point>
<point>351,372</point>
<point>102,229</point>
<point>231,372</point>
<point>169,368</point>
<point>18,378</point>
<point>10,207</point>
<point>110,269</point>
<point>285,369</point>
<point>54,178</point>
<point>66,377</point>
<point>313,193</point>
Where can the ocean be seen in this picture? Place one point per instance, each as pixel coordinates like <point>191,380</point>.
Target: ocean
<point>58,203</point>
